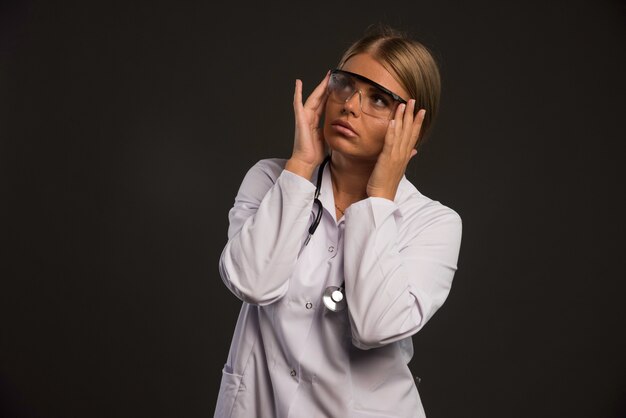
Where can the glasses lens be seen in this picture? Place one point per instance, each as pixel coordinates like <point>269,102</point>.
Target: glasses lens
<point>374,101</point>
<point>341,86</point>
<point>378,103</point>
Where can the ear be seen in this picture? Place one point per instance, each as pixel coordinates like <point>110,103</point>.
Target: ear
<point>413,153</point>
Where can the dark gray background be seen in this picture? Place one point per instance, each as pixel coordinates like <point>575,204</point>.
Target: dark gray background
<point>126,129</point>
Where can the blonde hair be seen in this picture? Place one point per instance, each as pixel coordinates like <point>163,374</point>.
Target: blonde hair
<point>409,62</point>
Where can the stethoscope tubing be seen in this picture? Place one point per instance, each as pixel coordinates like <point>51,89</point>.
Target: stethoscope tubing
<point>334,298</point>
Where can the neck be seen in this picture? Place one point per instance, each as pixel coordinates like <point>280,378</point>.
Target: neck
<point>350,178</point>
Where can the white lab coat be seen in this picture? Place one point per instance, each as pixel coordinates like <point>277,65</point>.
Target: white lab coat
<point>292,357</point>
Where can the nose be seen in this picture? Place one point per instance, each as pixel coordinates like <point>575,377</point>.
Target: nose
<point>353,103</point>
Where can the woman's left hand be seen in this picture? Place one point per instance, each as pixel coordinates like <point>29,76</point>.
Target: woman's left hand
<point>399,147</point>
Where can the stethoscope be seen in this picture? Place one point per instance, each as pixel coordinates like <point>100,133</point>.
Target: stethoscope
<point>334,298</point>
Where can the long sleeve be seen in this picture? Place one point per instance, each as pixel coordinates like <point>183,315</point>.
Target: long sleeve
<point>398,267</point>
<point>267,226</point>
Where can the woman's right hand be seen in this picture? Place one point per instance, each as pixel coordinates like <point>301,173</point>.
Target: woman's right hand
<point>308,145</point>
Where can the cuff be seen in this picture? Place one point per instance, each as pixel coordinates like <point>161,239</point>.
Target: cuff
<point>377,208</point>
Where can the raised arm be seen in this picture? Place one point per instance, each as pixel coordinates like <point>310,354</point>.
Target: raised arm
<point>267,225</point>
<point>398,270</point>
<point>269,219</point>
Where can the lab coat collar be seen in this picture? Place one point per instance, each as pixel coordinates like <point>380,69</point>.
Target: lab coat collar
<point>327,197</point>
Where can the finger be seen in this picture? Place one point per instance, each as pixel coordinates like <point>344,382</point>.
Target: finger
<point>398,120</point>
<point>408,123</point>
<point>322,106</point>
<point>317,96</point>
<point>390,134</point>
<point>417,126</point>
<point>297,97</point>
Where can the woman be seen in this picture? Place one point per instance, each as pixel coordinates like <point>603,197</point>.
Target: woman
<point>340,260</point>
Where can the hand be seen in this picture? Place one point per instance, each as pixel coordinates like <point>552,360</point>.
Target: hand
<point>308,145</point>
<point>400,140</point>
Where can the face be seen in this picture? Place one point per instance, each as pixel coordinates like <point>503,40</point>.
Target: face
<point>347,129</point>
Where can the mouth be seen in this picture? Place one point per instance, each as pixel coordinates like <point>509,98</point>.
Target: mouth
<point>344,128</point>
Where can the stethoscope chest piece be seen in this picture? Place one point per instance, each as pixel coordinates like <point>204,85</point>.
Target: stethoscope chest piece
<point>334,299</point>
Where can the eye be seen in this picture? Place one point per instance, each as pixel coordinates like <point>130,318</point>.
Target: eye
<point>379,100</point>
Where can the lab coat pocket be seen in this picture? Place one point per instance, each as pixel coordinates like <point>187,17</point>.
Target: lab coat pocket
<point>230,387</point>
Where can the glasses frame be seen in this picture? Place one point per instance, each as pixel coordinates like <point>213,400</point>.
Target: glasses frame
<point>373,83</point>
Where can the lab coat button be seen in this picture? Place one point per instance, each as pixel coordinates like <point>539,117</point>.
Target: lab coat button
<point>331,249</point>
<point>293,373</point>
<point>309,305</point>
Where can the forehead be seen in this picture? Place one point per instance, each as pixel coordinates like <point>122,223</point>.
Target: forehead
<point>367,66</point>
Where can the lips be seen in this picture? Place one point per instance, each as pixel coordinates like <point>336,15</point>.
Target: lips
<point>343,127</point>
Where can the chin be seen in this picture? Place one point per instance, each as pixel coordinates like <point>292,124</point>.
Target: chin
<point>338,143</point>
<point>349,149</point>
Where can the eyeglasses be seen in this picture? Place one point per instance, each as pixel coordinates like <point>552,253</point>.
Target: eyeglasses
<point>375,100</point>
